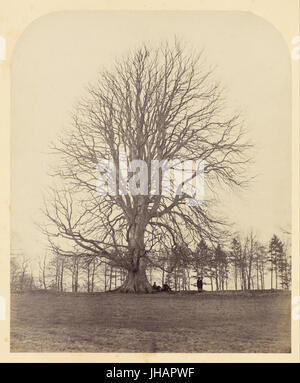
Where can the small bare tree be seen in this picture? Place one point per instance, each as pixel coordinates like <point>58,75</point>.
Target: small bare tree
<point>43,271</point>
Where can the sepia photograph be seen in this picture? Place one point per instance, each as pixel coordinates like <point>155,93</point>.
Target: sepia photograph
<point>151,184</point>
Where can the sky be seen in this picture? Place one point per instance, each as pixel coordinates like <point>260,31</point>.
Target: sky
<point>59,54</point>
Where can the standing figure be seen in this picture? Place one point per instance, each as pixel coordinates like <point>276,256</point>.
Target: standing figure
<point>199,285</point>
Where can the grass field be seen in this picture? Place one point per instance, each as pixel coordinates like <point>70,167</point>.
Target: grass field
<point>111,322</point>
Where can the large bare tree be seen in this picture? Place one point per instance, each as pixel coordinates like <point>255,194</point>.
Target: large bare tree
<point>155,104</point>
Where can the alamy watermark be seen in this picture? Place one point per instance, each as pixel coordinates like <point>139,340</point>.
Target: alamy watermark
<point>158,177</point>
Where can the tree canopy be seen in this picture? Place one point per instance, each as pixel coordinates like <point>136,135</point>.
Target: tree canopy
<point>155,104</point>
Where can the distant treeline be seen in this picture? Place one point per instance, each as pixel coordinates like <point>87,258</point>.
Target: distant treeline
<point>246,264</point>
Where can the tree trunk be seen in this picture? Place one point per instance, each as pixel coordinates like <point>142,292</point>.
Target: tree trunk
<point>136,282</point>
<point>257,275</point>
<point>271,277</point>
<point>217,281</point>
<point>62,276</point>
<point>76,265</point>
<point>93,276</point>
<point>105,277</point>
<point>44,274</point>
<point>235,276</point>
<point>110,278</point>
<point>262,282</point>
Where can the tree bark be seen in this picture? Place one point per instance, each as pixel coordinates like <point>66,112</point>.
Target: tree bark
<point>62,276</point>
<point>136,282</point>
